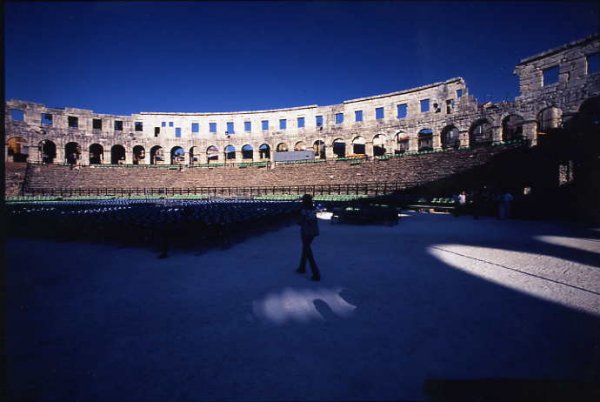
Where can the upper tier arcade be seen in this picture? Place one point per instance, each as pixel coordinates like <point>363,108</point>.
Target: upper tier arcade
<point>553,85</point>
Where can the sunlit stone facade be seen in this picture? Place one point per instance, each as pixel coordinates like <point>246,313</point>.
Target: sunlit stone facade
<point>553,86</point>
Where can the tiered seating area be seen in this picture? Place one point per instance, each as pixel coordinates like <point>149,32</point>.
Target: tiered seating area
<point>421,168</point>
<point>14,178</point>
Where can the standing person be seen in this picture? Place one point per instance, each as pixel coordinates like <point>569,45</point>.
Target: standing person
<point>309,229</point>
<point>504,201</point>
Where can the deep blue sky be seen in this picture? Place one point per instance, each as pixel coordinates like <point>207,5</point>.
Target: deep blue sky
<point>128,57</point>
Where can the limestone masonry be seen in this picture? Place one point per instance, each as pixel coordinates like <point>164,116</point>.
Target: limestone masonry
<point>553,86</point>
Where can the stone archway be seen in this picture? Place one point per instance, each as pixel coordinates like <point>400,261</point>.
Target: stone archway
<point>139,154</point>
<point>425,140</point>
<point>480,133</point>
<point>512,127</point>
<point>300,146</point>
<point>47,150</point>
<point>157,156</point>
<point>402,143</point>
<point>549,119</point>
<point>194,155</point>
<point>319,147</point>
<point>379,145</point>
<point>230,153</point>
<point>359,146</point>
<point>15,147</point>
<point>264,151</point>
<point>281,147</point>
<point>450,137</point>
<point>339,148</point>
<point>212,154</point>
<point>117,155</point>
<point>177,155</point>
<point>72,153</point>
<point>247,152</point>
<point>96,152</point>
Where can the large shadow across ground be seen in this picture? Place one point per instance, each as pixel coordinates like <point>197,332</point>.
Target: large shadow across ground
<point>435,297</point>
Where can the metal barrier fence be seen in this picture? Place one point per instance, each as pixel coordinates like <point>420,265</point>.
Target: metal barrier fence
<point>369,189</point>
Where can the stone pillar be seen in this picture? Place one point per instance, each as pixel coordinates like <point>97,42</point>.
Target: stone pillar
<point>255,155</point>
<point>105,157</point>
<point>530,132</point>
<point>464,138</point>
<point>413,143</point>
<point>84,157</point>
<point>146,157</point>
<point>369,149</point>
<point>437,141</point>
<point>60,155</point>
<point>496,134</point>
<point>128,157</point>
<point>238,156</point>
<point>329,153</point>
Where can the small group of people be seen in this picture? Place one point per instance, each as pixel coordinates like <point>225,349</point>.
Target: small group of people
<point>481,202</point>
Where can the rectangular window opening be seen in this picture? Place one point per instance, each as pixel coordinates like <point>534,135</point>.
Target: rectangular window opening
<point>230,128</point>
<point>195,127</point>
<point>73,121</point>
<point>118,125</point>
<point>163,124</point>
<point>449,106</point>
<point>139,126</point>
<point>459,93</point>
<point>339,118</point>
<point>247,126</point>
<point>17,115</point>
<point>424,105</point>
<point>319,121</point>
<point>264,125</point>
<point>97,124</point>
<point>593,63</point>
<point>212,127</point>
<point>156,131</point>
<point>379,113</point>
<point>550,76</point>
<point>402,111</point>
<point>170,124</point>
<point>46,119</point>
<point>358,115</point>
<point>300,122</point>
<point>282,124</point>
<point>178,132</point>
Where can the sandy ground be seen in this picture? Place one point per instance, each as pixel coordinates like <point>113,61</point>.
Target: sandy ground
<point>435,297</point>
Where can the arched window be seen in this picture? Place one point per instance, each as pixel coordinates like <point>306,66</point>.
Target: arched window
<point>425,138</point>
<point>512,127</point>
<point>401,143</point>
<point>379,145</point>
<point>156,155</point>
<point>359,146</point>
<point>117,155</point>
<point>139,153</point>
<point>339,148</point>
<point>282,147</point>
<point>299,146</point>
<point>15,149</point>
<point>96,152</point>
<point>264,151</point>
<point>319,147</point>
<point>177,155</point>
<point>480,133</point>
<point>229,152</point>
<point>450,137</point>
<point>47,150</point>
<point>72,152</point>
<point>247,152</point>
<point>212,154</point>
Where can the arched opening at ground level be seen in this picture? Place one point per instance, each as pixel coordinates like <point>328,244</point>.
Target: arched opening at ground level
<point>72,153</point>
<point>212,154</point>
<point>194,155</point>
<point>512,127</point>
<point>177,155</point>
<point>450,137</point>
<point>425,140</point>
<point>359,146</point>
<point>319,148</point>
<point>229,153</point>
<point>247,152</point>
<point>15,147</point>
<point>139,153</point>
<point>157,156</point>
<point>47,150</point>
<point>264,151</point>
<point>480,133</point>
<point>117,155</point>
<point>379,145</point>
<point>401,143</point>
<point>339,148</point>
<point>96,152</point>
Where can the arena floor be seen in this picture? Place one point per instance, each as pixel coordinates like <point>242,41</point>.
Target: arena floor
<point>435,297</point>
